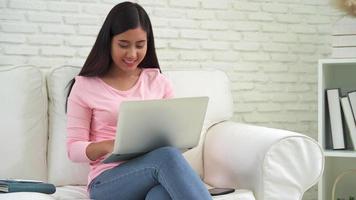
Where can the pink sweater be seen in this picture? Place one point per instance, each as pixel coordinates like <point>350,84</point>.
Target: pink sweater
<point>93,110</point>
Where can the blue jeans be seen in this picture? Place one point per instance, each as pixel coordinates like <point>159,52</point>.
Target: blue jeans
<point>161,174</point>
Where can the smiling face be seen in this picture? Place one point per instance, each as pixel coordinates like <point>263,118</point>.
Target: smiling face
<point>128,49</point>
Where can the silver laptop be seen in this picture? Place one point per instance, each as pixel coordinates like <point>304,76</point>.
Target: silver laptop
<point>146,125</point>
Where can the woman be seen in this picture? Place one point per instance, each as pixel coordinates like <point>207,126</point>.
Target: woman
<point>121,66</point>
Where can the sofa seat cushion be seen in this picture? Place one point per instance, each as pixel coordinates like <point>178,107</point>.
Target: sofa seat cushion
<point>79,192</point>
<point>25,196</point>
<point>71,192</point>
<point>237,195</point>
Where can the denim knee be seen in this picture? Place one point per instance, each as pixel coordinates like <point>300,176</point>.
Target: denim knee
<point>169,150</point>
<point>167,153</point>
<point>158,193</point>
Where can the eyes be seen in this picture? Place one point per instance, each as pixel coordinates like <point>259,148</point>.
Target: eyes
<point>138,45</point>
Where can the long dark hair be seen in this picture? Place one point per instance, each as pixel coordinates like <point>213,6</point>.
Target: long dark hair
<point>122,17</point>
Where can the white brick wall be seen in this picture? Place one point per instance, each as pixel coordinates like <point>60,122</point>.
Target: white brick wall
<point>268,48</point>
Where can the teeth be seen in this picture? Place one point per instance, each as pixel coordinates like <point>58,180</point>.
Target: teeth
<point>129,61</point>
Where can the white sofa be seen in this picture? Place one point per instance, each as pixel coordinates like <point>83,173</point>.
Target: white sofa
<point>261,163</point>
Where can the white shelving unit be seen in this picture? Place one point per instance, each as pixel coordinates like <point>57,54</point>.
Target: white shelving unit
<point>335,73</point>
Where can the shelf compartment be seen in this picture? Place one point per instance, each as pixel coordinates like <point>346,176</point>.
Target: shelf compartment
<point>335,166</point>
<point>333,73</point>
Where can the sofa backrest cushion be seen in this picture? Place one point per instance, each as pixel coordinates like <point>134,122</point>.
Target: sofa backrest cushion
<point>23,123</point>
<point>61,171</point>
<point>214,84</point>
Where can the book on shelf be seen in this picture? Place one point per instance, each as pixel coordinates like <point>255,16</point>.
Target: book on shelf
<point>352,98</point>
<point>349,120</point>
<point>337,132</point>
<point>16,185</point>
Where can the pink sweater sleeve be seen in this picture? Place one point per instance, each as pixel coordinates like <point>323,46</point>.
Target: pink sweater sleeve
<point>78,124</point>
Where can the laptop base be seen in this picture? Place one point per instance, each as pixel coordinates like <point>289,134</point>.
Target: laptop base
<point>121,157</point>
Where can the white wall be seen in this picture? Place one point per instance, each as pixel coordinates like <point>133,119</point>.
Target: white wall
<point>269,48</point>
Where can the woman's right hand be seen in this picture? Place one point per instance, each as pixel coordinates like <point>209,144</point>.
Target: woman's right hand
<point>96,150</point>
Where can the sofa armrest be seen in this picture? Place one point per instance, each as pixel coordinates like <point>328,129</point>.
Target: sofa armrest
<point>273,163</point>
